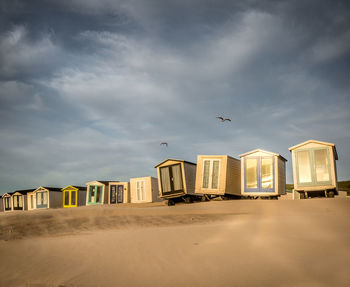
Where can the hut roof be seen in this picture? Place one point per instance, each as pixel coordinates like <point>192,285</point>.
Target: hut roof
<point>317,142</point>
<point>24,191</point>
<point>179,160</point>
<point>261,150</point>
<point>76,186</point>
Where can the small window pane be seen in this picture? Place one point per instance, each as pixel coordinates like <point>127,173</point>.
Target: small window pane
<point>73,197</point>
<point>266,173</point>
<point>39,198</point>
<point>45,197</point>
<point>304,167</point>
<point>251,173</point>
<point>206,174</point>
<point>321,165</point>
<point>66,198</point>
<point>99,194</point>
<point>20,203</point>
<point>165,177</point>
<point>177,177</point>
<point>215,175</point>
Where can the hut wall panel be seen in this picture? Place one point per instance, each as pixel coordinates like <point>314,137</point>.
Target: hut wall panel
<point>25,202</point>
<point>281,176</point>
<point>155,190</point>
<point>233,176</point>
<point>55,198</point>
<point>81,197</point>
<point>190,177</point>
<point>1,205</point>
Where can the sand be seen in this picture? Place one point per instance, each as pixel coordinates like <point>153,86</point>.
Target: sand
<point>218,243</point>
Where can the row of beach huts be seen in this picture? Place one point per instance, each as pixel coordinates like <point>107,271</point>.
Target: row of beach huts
<point>258,174</point>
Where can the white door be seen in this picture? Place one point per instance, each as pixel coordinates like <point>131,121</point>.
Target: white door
<point>140,190</point>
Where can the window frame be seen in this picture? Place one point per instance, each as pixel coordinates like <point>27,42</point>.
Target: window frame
<point>210,175</point>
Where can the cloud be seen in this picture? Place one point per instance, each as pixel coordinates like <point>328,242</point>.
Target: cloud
<point>21,57</point>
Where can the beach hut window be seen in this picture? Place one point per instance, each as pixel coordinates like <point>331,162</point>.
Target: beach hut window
<point>313,167</point>
<point>41,199</point>
<point>304,167</point>
<point>7,203</point>
<point>140,191</point>
<point>171,178</point>
<point>266,173</point>
<point>73,197</point>
<point>251,173</point>
<point>259,174</point>
<point>66,198</point>
<point>211,174</point>
<point>321,165</point>
<point>92,193</point>
<point>98,193</point>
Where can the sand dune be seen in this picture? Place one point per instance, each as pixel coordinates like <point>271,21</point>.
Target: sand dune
<point>227,243</point>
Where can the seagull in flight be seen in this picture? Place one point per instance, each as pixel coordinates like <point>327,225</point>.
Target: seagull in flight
<point>223,119</point>
<point>164,143</point>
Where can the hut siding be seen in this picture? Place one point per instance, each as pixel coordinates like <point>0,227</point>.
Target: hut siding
<point>233,176</point>
<point>81,197</point>
<point>333,172</point>
<point>155,190</point>
<point>189,171</point>
<point>55,199</point>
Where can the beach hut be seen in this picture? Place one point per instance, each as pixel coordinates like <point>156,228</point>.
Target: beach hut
<point>73,196</point>
<point>144,189</point>
<point>314,168</point>
<point>176,180</point>
<point>46,197</point>
<point>97,192</point>
<point>118,192</point>
<point>218,175</point>
<point>20,199</point>
<point>7,201</point>
<point>263,174</point>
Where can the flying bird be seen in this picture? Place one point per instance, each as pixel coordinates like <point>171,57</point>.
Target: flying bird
<point>223,119</point>
<point>164,143</point>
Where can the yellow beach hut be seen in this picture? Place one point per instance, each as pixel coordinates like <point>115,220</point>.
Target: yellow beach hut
<point>73,196</point>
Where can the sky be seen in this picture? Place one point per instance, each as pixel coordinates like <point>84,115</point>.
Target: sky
<point>89,89</point>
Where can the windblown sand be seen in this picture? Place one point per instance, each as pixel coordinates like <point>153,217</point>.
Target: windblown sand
<point>218,243</point>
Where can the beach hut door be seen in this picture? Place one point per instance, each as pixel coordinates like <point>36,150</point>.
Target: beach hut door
<point>259,174</point>
<point>120,193</point>
<point>171,179</point>
<point>17,202</point>
<point>7,203</point>
<point>41,199</point>
<point>113,194</point>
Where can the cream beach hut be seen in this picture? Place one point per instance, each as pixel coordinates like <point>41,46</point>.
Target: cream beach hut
<point>314,168</point>
<point>20,199</point>
<point>7,201</point>
<point>45,197</point>
<point>118,192</point>
<point>263,174</point>
<point>176,179</point>
<point>218,175</point>
<point>144,189</point>
<point>73,196</point>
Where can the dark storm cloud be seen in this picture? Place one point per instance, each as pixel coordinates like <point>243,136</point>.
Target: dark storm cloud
<point>88,89</point>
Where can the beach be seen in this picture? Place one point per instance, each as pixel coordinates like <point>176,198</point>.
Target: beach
<point>217,243</point>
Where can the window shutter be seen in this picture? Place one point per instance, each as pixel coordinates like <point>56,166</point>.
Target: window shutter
<point>215,175</point>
